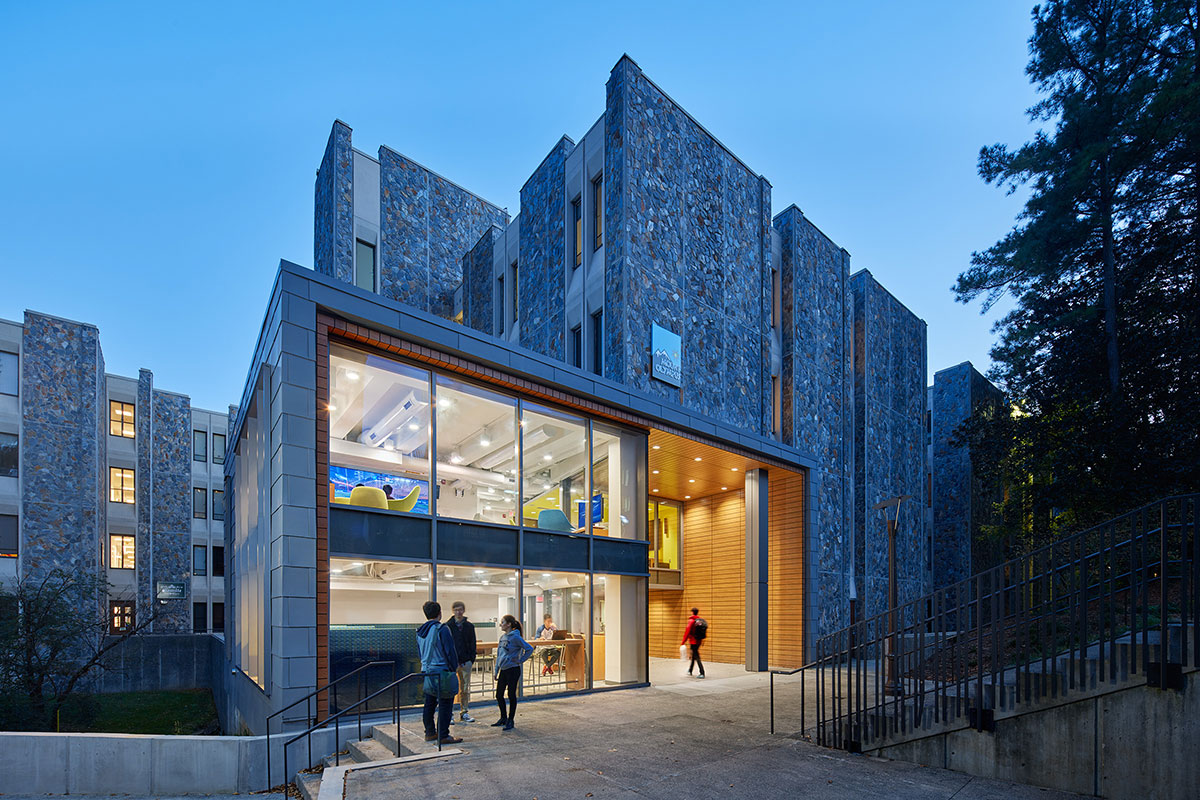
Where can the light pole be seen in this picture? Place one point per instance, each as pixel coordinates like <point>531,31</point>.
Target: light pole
<point>891,686</point>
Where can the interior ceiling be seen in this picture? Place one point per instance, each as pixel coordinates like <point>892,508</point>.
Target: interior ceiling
<point>687,467</point>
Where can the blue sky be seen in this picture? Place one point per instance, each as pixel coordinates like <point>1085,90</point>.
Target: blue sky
<point>159,161</point>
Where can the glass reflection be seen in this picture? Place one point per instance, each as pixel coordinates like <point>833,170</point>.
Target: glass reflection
<point>555,460</point>
<point>618,485</point>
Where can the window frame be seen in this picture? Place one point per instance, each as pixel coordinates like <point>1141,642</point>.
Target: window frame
<point>118,609</point>
<point>215,517</point>
<point>115,419</point>
<point>203,571</point>
<point>200,454</point>
<point>17,372</point>
<point>577,220</point>
<point>214,560</point>
<point>117,488</point>
<point>515,306</point>
<point>115,539</point>
<point>215,458</point>
<point>359,245</point>
<point>15,551</point>
<point>199,502</point>
<point>598,212</point>
<point>15,470</point>
<point>597,348</point>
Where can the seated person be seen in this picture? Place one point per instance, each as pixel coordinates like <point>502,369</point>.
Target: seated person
<point>546,631</point>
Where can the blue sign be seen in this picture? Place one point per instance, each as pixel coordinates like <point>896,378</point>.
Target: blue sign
<point>597,510</point>
<point>666,362</point>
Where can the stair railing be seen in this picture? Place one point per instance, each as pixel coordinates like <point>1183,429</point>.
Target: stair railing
<point>1068,617</point>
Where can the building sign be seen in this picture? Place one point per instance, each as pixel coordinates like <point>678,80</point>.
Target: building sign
<point>666,361</point>
<point>171,590</point>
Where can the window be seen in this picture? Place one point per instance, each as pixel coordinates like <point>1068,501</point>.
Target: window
<point>120,419</point>
<point>499,306</point>
<point>199,560</point>
<point>598,342</point>
<point>120,485</point>
<point>218,504</point>
<point>776,408</point>
<point>8,536</point>
<point>218,612</point>
<point>218,449</point>
<point>122,552</point>
<point>477,449</point>
<point>218,561</point>
<point>577,220</point>
<point>199,445</point>
<point>577,346</point>
<point>10,459</point>
<point>199,621</point>
<point>513,281</point>
<point>200,503</point>
<point>554,492</point>
<point>617,483</point>
<point>666,538</point>
<point>560,664</point>
<point>775,299</point>
<point>598,211</point>
<point>120,616</point>
<point>8,373</point>
<point>364,265</point>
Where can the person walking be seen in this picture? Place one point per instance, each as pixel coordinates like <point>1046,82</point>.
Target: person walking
<point>463,632</point>
<point>693,636</point>
<point>439,660</point>
<point>511,653</point>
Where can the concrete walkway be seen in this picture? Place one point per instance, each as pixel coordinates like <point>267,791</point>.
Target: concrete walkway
<point>682,738</point>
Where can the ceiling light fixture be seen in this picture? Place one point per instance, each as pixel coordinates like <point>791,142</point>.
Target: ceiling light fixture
<point>351,375</point>
<point>655,490</point>
<point>656,447</point>
<point>724,488</point>
<point>654,471</point>
<point>697,458</point>
<point>691,480</point>
<point>733,469</point>
<point>687,497</point>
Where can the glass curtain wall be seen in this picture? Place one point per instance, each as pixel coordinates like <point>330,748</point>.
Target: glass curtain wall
<point>618,630</point>
<point>666,543</point>
<point>374,614</point>
<point>618,482</point>
<point>476,453</point>
<point>489,594</point>
<point>379,417</point>
<point>554,449</point>
<point>556,619</point>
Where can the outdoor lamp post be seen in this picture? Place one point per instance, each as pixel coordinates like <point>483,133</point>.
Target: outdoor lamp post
<point>891,686</point>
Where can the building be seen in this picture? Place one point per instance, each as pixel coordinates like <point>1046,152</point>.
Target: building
<point>962,502</point>
<point>634,396</point>
<point>106,473</point>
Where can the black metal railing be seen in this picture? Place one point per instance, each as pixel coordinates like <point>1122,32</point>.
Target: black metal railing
<point>358,707</point>
<point>1106,606</point>
<point>313,698</point>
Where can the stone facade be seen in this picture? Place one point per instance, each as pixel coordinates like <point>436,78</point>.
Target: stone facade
<point>478,295</point>
<point>889,442</point>
<point>172,505</point>
<point>961,503</point>
<point>542,271</point>
<point>817,412</point>
<point>333,239</point>
<point>63,457</point>
<point>427,224</point>
<point>688,248</point>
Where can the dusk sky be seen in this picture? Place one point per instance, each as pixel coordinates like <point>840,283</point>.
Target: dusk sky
<point>159,161</point>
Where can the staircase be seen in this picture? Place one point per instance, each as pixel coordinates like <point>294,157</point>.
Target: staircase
<point>1080,619</point>
<point>388,745</point>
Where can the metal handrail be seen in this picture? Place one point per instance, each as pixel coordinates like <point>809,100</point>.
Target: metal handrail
<point>309,716</point>
<point>393,687</point>
<point>775,672</point>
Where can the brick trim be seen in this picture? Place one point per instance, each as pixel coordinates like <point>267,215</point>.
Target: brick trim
<point>322,506</point>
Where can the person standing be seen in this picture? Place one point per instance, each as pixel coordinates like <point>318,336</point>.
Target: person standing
<point>463,632</point>
<point>693,636</point>
<point>511,653</point>
<point>439,660</point>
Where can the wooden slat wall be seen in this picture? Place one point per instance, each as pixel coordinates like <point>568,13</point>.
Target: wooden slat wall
<point>785,590</point>
<point>714,571</point>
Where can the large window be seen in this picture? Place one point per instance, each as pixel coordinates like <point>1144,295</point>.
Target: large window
<point>379,417</point>
<point>199,623</point>
<point>618,483</point>
<point>560,659</point>
<point>200,503</point>
<point>666,543</point>
<point>200,445</point>
<point>218,455</point>
<point>120,419</point>
<point>218,500</point>
<point>364,265</point>
<point>121,616</point>
<point>554,450</point>
<point>10,456</point>
<point>218,561</point>
<point>8,373</point>
<point>199,560</point>
<point>120,485</point>
<point>477,453</point>
<point>577,227</point>
<point>218,615</point>
<point>598,212</point>
<point>618,630</point>
<point>9,536</point>
<point>122,554</point>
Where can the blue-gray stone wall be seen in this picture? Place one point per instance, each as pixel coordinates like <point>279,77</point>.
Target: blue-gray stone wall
<point>889,441</point>
<point>541,265</point>
<point>478,291</point>
<point>687,246</point>
<point>427,225</point>
<point>962,504</point>
<point>333,208</point>
<point>816,390</point>
<point>63,454</point>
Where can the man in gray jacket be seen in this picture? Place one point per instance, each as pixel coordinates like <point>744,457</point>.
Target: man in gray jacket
<point>439,661</point>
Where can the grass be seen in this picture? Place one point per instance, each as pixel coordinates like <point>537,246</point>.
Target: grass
<point>183,712</point>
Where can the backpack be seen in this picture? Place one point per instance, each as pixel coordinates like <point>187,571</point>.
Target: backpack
<point>699,629</point>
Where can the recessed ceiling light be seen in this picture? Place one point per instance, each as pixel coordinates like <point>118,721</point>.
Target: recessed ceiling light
<point>478,572</point>
<point>733,469</point>
<point>332,407</point>
<point>656,447</point>
<point>356,563</point>
<point>547,457</point>
<point>654,490</point>
<point>485,441</point>
<point>691,480</point>
<point>545,574</point>
<point>351,375</point>
<point>687,497</point>
<point>412,426</point>
<point>723,488</point>
<point>443,402</point>
<point>654,471</point>
<point>698,458</point>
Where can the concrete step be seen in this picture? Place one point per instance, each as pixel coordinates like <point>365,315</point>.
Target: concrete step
<point>309,784</point>
<point>404,742</point>
<point>370,750</point>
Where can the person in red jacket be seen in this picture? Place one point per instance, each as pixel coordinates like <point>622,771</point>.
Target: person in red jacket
<point>697,630</point>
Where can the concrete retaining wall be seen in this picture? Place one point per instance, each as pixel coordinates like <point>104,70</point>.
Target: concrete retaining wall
<point>160,662</point>
<point>110,763</point>
<point>1134,743</point>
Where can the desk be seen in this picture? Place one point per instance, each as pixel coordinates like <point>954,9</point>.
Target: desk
<point>573,660</point>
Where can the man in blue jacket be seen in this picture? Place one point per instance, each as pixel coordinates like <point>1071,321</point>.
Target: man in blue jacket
<point>439,659</point>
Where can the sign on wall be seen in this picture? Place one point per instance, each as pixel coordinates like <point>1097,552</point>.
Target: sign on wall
<point>171,590</point>
<point>666,362</point>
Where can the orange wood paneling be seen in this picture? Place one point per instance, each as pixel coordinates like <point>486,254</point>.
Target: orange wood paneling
<point>785,555</point>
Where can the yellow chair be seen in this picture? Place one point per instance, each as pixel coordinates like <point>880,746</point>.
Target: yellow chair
<point>368,497</point>
<point>341,501</point>
<point>407,502</point>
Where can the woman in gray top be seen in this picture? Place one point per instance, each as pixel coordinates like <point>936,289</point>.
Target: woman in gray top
<point>511,653</point>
